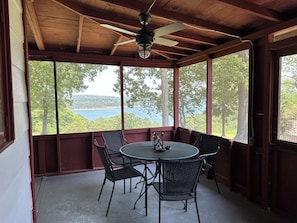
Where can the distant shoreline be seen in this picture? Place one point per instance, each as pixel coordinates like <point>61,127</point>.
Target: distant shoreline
<point>104,108</point>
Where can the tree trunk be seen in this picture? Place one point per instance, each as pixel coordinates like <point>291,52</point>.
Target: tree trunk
<point>223,121</point>
<point>242,128</point>
<point>164,86</point>
<point>44,121</point>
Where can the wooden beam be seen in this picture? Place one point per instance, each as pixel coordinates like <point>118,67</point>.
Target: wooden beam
<point>33,23</point>
<point>162,54</point>
<point>170,50</point>
<point>257,10</point>
<point>104,17</point>
<point>98,59</point>
<point>114,48</point>
<point>157,11</point>
<point>80,26</point>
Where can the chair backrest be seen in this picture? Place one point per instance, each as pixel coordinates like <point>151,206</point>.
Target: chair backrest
<point>114,140</point>
<point>105,159</point>
<point>208,145</point>
<point>180,177</point>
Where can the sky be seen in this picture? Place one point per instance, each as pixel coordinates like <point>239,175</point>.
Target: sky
<point>102,84</point>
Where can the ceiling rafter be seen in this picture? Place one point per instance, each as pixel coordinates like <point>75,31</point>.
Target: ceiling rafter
<point>33,23</point>
<point>80,26</point>
<point>190,47</point>
<point>163,55</point>
<point>109,18</point>
<point>93,17</point>
<point>257,10</point>
<point>114,48</point>
<point>75,25</point>
<point>177,17</point>
<point>170,50</point>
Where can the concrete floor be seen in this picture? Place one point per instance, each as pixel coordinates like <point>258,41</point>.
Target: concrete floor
<point>73,198</point>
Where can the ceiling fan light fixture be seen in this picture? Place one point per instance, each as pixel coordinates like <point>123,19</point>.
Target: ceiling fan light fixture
<point>144,40</point>
<point>144,50</point>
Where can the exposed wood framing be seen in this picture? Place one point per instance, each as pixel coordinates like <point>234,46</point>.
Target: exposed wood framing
<point>33,22</point>
<point>257,10</point>
<point>177,16</point>
<point>80,26</point>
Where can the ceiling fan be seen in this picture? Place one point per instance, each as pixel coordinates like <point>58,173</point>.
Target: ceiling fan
<point>145,38</point>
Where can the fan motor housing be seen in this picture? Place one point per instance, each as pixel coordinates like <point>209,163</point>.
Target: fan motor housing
<point>145,36</point>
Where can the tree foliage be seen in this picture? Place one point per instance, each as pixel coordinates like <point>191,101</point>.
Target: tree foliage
<point>148,88</point>
<point>192,93</point>
<point>288,98</point>
<point>230,91</point>
<point>70,78</point>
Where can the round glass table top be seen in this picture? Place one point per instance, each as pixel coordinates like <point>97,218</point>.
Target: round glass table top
<point>145,151</point>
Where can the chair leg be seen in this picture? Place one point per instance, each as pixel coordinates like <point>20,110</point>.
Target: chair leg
<point>159,210</point>
<point>215,179</point>
<point>197,208</point>
<point>110,199</point>
<point>101,188</point>
<point>186,206</point>
<point>124,186</point>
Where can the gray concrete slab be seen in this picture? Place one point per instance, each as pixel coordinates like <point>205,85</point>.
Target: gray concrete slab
<point>73,198</point>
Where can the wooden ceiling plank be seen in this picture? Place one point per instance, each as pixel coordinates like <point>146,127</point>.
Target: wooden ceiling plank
<point>177,17</point>
<point>189,47</point>
<point>77,8</point>
<point>163,55</point>
<point>197,39</point>
<point>257,10</point>
<point>104,17</point>
<point>33,22</point>
<point>170,50</point>
<point>80,26</point>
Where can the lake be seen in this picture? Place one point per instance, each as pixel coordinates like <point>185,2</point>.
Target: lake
<point>106,113</point>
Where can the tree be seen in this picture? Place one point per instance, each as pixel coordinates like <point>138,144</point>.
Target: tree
<point>230,91</point>
<point>287,101</point>
<point>70,79</point>
<point>192,92</point>
<point>150,89</point>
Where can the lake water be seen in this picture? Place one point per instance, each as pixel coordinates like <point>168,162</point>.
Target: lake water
<point>106,113</point>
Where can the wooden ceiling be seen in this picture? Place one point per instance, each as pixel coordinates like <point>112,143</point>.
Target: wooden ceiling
<point>74,26</point>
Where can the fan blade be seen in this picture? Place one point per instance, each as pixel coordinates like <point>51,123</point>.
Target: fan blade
<point>119,29</point>
<point>124,42</point>
<point>165,42</point>
<point>171,28</point>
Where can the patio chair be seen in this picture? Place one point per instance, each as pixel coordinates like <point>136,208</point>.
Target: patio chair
<point>113,141</point>
<point>209,146</point>
<point>178,181</point>
<point>122,173</point>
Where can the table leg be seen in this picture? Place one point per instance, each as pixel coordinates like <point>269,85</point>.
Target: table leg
<point>145,176</point>
<point>145,185</point>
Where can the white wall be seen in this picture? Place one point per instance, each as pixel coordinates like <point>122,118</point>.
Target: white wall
<point>15,175</point>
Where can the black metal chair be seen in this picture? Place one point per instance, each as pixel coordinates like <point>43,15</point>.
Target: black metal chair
<point>113,141</point>
<point>125,172</point>
<point>178,181</point>
<point>209,146</point>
